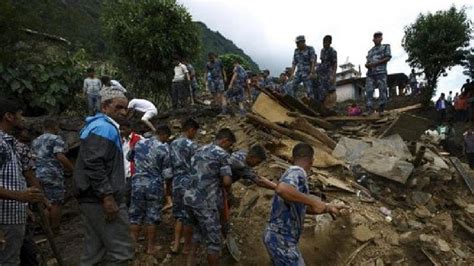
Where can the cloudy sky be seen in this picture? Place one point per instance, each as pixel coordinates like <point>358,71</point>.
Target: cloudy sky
<point>266,29</point>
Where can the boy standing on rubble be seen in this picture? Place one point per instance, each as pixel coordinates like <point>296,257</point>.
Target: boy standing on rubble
<point>152,166</point>
<point>211,171</point>
<point>50,150</point>
<point>181,151</point>
<point>290,204</point>
<point>91,89</point>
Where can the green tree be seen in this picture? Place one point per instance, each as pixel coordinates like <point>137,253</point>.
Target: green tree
<point>437,41</point>
<point>228,61</point>
<point>469,65</point>
<point>145,35</point>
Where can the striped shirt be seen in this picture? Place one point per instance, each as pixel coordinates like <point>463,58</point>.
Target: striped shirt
<point>11,178</point>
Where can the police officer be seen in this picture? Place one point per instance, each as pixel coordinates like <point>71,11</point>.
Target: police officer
<point>326,71</point>
<point>376,65</point>
<point>304,60</point>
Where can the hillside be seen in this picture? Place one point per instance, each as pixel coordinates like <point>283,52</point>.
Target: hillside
<point>214,41</point>
<point>79,22</point>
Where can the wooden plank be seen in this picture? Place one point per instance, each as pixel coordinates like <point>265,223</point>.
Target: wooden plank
<point>271,110</point>
<point>462,171</point>
<point>314,120</point>
<point>373,117</point>
<point>406,108</point>
<point>304,126</point>
<point>298,105</point>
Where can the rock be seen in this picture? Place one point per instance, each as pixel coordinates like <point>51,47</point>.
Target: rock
<point>408,237</point>
<point>460,202</point>
<point>470,208</point>
<point>441,244</point>
<point>362,233</point>
<point>443,220</point>
<point>422,212</point>
<point>415,225</point>
<point>392,238</point>
<point>357,219</point>
<point>420,198</point>
<point>460,253</point>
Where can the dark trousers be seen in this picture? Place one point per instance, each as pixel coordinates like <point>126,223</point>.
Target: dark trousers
<point>470,159</point>
<point>29,249</point>
<point>179,93</point>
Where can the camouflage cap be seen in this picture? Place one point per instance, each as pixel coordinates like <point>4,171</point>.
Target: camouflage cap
<point>300,38</point>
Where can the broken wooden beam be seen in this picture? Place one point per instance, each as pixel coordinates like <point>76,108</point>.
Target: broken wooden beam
<point>462,171</point>
<point>465,226</point>
<point>405,109</point>
<point>298,105</point>
<point>314,120</point>
<point>304,126</point>
<point>294,134</point>
<point>373,117</point>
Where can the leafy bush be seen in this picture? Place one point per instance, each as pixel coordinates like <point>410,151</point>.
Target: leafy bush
<point>48,86</point>
<point>145,36</point>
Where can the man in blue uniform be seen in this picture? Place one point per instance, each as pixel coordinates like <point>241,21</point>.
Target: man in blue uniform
<point>50,150</point>
<point>304,60</point>
<point>376,65</point>
<point>152,166</point>
<point>181,151</point>
<point>211,171</point>
<point>326,71</point>
<point>289,206</point>
<point>216,78</point>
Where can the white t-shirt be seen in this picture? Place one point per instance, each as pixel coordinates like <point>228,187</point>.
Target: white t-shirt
<point>92,86</point>
<point>142,105</point>
<point>117,86</point>
<point>180,72</point>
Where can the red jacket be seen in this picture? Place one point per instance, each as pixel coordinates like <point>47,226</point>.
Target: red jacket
<point>134,138</point>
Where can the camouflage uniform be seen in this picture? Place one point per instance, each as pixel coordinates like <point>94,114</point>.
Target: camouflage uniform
<point>236,93</point>
<point>302,60</point>
<point>286,222</point>
<point>240,168</point>
<point>377,76</point>
<point>324,73</point>
<point>268,83</point>
<point>209,164</point>
<point>49,170</point>
<point>215,81</point>
<point>152,165</point>
<point>181,151</point>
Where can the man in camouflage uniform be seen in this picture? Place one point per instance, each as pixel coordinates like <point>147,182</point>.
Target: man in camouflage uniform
<point>211,171</point>
<point>181,151</point>
<point>376,65</point>
<point>268,80</point>
<point>304,60</point>
<point>49,150</point>
<point>152,166</point>
<point>289,206</point>
<point>242,162</point>
<point>326,71</point>
<point>164,133</point>
<point>216,77</point>
<point>237,87</point>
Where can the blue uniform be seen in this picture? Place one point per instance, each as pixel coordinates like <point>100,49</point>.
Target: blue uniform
<point>286,222</point>
<point>152,166</point>
<point>377,76</point>
<point>215,81</point>
<point>302,60</point>
<point>240,168</point>
<point>324,73</point>
<point>210,163</point>
<point>49,170</point>
<point>181,151</point>
<point>236,93</point>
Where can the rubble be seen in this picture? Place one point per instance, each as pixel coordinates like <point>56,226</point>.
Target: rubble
<point>367,162</point>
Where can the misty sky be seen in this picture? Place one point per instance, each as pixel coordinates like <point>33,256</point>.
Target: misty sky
<point>266,30</point>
